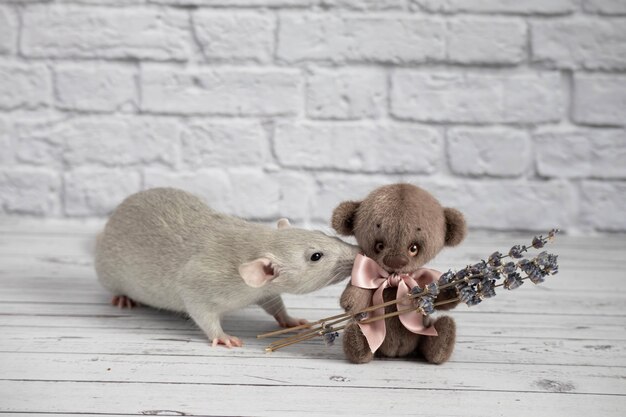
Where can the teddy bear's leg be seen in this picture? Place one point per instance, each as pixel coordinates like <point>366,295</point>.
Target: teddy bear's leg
<point>355,345</point>
<point>438,349</point>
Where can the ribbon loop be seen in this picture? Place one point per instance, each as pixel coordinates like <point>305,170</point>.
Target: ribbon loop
<point>366,273</point>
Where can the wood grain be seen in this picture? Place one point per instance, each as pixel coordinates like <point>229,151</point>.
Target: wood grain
<point>558,349</point>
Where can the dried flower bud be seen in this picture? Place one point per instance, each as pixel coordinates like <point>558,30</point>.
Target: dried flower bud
<point>461,273</point>
<point>417,291</point>
<point>432,288</point>
<point>446,278</point>
<point>548,262</point>
<point>478,268</point>
<point>426,305</point>
<point>486,290</point>
<point>473,301</point>
<point>466,293</point>
<point>513,281</point>
<point>473,280</point>
<point>329,338</point>
<point>538,242</point>
<point>509,268</point>
<point>517,251</point>
<point>494,259</point>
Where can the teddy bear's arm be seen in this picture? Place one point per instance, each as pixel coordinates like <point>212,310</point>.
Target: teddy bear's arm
<point>445,295</point>
<point>354,298</point>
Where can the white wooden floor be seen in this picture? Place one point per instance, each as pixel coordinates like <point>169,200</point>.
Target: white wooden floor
<point>558,349</point>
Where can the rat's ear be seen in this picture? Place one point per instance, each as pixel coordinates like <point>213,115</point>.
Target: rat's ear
<point>258,272</point>
<point>456,229</point>
<point>283,223</point>
<point>343,217</point>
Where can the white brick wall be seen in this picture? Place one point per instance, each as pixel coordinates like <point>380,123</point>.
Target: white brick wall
<point>513,111</point>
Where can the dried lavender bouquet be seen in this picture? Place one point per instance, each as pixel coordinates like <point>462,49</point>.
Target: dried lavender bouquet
<point>473,284</point>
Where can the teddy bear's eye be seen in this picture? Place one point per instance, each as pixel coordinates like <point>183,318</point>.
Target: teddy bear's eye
<point>413,249</point>
<point>379,246</point>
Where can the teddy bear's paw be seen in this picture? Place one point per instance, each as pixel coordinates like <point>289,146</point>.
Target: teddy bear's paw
<point>438,349</point>
<point>355,345</point>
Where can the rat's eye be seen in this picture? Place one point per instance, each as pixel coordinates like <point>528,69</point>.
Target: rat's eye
<point>379,246</point>
<point>413,249</point>
<point>316,256</point>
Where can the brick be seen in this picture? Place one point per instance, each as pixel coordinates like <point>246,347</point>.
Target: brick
<point>544,7</point>
<point>109,141</point>
<point>607,7</point>
<point>120,141</point>
<point>603,205</point>
<point>90,191</point>
<point>96,87</point>
<point>358,147</point>
<point>586,43</point>
<point>226,143</point>
<point>8,30</point>
<point>599,99</point>
<point>237,3</point>
<point>86,32</point>
<point>102,2</point>
<point>211,184</point>
<point>33,138</point>
<point>491,41</point>
<point>6,141</point>
<point>580,153</point>
<point>23,85</point>
<point>235,35</point>
<point>333,188</point>
<point>507,204</point>
<point>473,97</point>
<point>296,193</point>
<point>500,152</point>
<point>237,91</point>
<point>243,192</point>
<point>339,38</point>
<point>254,194</point>
<point>365,5</point>
<point>346,93</point>
<point>32,191</point>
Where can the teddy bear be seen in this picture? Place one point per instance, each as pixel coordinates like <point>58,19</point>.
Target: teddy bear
<point>399,228</point>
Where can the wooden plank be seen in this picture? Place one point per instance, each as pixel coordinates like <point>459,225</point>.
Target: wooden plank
<point>296,372</point>
<point>231,400</point>
<point>522,301</point>
<point>78,272</point>
<point>486,349</point>
<point>253,320</point>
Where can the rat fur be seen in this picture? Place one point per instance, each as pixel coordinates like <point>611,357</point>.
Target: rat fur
<point>167,249</point>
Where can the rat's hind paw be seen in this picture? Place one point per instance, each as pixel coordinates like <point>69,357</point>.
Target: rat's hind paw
<point>228,341</point>
<point>121,301</point>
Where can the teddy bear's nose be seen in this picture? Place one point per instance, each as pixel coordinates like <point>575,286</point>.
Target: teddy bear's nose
<point>395,261</point>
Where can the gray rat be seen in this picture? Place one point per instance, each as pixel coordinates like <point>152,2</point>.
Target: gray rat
<point>167,249</point>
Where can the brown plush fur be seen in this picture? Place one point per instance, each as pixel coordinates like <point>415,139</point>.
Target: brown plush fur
<point>386,224</point>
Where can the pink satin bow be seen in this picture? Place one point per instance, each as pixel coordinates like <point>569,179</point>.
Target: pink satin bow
<point>366,273</point>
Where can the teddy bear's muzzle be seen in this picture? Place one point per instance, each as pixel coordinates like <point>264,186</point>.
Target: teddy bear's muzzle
<point>395,261</point>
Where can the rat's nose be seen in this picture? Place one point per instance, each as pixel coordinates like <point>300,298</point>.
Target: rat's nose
<point>396,261</point>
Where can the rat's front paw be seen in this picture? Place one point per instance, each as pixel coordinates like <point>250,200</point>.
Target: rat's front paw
<point>227,340</point>
<point>288,321</point>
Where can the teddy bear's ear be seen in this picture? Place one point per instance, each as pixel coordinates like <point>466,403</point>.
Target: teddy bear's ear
<point>343,217</point>
<point>456,229</point>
